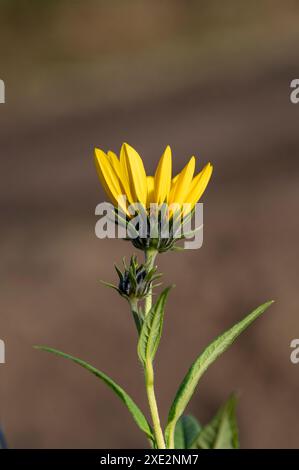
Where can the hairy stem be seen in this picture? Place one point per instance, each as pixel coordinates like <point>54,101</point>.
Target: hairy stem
<point>170,439</point>
<point>150,256</point>
<point>149,380</point>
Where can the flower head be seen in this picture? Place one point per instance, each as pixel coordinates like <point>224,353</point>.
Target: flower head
<point>127,185</point>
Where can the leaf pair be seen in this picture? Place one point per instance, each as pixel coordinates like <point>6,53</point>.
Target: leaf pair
<point>220,433</point>
<point>147,346</point>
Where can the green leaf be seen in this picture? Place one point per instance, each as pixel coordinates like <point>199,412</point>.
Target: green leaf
<point>186,432</point>
<point>208,356</point>
<point>152,329</point>
<point>126,399</point>
<point>222,431</point>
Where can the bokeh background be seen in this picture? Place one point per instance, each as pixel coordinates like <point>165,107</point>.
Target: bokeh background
<point>209,78</point>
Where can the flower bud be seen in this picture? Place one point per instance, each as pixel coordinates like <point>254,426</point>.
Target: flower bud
<point>136,280</point>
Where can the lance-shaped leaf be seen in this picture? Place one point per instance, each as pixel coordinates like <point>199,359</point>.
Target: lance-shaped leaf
<point>222,431</point>
<point>186,432</point>
<point>152,329</point>
<point>208,356</point>
<point>126,399</point>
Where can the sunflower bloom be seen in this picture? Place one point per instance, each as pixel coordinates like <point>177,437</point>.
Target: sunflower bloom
<point>126,176</point>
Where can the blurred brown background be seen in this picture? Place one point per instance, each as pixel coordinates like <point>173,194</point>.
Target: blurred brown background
<point>210,78</point>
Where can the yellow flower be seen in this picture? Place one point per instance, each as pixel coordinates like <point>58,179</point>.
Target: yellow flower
<point>126,176</point>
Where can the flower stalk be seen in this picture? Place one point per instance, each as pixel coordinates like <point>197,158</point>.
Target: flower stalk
<point>150,390</point>
<point>150,256</point>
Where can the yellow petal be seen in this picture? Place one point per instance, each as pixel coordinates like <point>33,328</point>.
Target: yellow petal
<point>114,162</point>
<point>174,179</point>
<point>173,183</point>
<point>134,174</point>
<point>198,186</point>
<point>108,177</point>
<point>181,186</point>
<point>125,175</point>
<point>150,190</point>
<point>163,177</point>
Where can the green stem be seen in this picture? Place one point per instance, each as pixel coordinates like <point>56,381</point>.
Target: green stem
<point>149,380</point>
<point>150,256</point>
<point>170,439</point>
